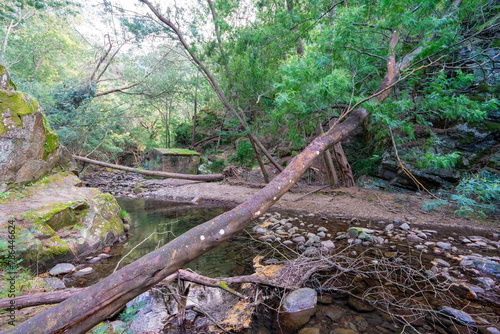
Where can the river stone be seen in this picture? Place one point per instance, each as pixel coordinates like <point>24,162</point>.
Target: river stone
<point>54,283</point>
<point>328,244</point>
<point>443,245</point>
<point>359,305</point>
<point>492,330</point>
<point>84,271</point>
<point>487,267</point>
<point>62,268</point>
<point>414,238</point>
<point>440,262</point>
<point>299,239</point>
<point>334,313</point>
<point>460,316</point>
<point>321,234</point>
<point>485,282</point>
<point>297,308</point>
<point>389,228</point>
<point>405,227</point>
<point>288,242</point>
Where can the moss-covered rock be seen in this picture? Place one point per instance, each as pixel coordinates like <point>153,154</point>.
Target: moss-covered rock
<point>29,148</point>
<point>58,221</point>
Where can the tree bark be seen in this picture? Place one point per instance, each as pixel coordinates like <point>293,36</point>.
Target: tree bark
<point>207,177</point>
<point>195,107</point>
<point>259,160</point>
<point>344,167</point>
<point>82,312</point>
<point>327,157</point>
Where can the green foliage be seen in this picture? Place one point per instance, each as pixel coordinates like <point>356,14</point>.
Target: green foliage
<point>478,193</point>
<point>184,133</point>
<point>434,205</point>
<point>123,214</point>
<point>5,194</point>
<point>217,166</point>
<point>245,156</point>
<point>131,312</point>
<point>431,160</point>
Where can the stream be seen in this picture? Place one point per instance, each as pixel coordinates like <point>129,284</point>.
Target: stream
<point>464,262</point>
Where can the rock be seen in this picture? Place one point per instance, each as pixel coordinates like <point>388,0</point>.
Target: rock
<point>260,230</point>
<point>335,313</point>
<point>464,240</point>
<point>359,305</point>
<point>322,229</point>
<point>460,316</point>
<point>288,242</point>
<point>440,262</point>
<point>62,268</point>
<point>328,244</point>
<point>299,240</point>
<point>414,238</point>
<point>487,267</point>
<point>325,299</point>
<point>389,228</point>
<point>321,234</point>
<point>311,251</point>
<point>84,271</point>
<point>443,245</point>
<point>54,283</point>
<point>486,282</point>
<point>297,308</point>
<point>404,227</point>
<point>492,330</point>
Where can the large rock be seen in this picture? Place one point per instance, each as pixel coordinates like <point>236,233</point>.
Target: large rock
<point>29,149</point>
<point>55,220</point>
<point>296,310</point>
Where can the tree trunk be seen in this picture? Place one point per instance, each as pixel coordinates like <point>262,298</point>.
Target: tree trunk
<point>44,298</point>
<point>195,107</point>
<point>207,177</point>
<point>259,160</point>
<point>330,168</point>
<point>344,167</point>
<point>82,312</point>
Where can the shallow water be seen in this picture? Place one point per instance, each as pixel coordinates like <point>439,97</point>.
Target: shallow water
<point>154,223</point>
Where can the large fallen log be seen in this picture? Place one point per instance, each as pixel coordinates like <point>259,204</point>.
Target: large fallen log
<point>82,312</point>
<point>207,177</point>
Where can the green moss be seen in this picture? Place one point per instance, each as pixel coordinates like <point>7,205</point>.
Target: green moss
<point>16,104</point>
<point>108,221</point>
<point>58,215</point>
<point>51,139</point>
<point>177,151</point>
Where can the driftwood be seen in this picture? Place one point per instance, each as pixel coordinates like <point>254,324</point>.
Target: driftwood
<point>207,177</point>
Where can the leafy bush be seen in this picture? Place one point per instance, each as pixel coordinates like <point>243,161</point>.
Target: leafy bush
<point>478,193</point>
<point>184,134</point>
<point>431,160</point>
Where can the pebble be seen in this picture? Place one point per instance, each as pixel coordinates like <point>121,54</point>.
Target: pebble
<point>485,282</point>
<point>389,228</point>
<point>84,271</point>
<point>328,244</point>
<point>405,227</point>
<point>443,245</point>
<point>299,240</point>
<point>440,262</point>
<point>414,238</point>
<point>321,234</point>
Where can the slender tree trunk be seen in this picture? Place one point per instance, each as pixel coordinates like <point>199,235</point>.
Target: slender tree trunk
<point>37,66</point>
<point>259,160</point>
<point>195,107</point>
<point>205,177</point>
<point>330,168</point>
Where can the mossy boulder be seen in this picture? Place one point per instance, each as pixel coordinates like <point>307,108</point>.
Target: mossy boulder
<point>29,148</point>
<point>172,160</point>
<point>56,220</point>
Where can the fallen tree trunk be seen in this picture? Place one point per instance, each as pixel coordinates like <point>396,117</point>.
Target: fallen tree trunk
<point>43,298</point>
<point>207,177</point>
<point>82,312</point>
